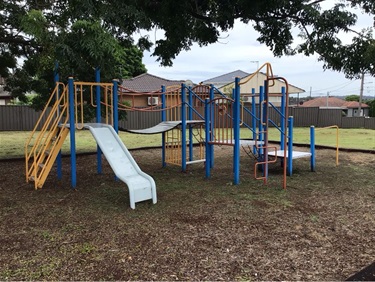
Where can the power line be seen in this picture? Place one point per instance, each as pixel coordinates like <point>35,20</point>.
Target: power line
<point>340,86</point>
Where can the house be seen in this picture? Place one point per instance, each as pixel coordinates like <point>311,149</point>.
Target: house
<point>5,97</point>
<point>146,83</point>
<point>225,83</point>
<point>352,109</point>
<point>349,108</point>
<point>222,80</point>
<point>324,102</point>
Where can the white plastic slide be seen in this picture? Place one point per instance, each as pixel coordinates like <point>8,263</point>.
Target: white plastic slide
<point>141,186</point>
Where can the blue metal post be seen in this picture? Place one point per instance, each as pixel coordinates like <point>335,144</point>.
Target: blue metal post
<point>253,119</point>
<point>163,118</point>
<point>234,122</point>
<point>183,127</point>
<point>73,163</point>
<point>261,99</point>
<point>98,120</point>
<point>115,104</point>
<point>207,118</point>
<point>265,129</point>
<point>312,147</point>
<point>190,117</point>
<point>59,156</point>
<point>212,125</point>
<point>290,147</point>
<point>236,129</point>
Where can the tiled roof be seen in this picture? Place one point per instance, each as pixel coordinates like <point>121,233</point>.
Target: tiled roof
<point>4,93</point>
<point>226,78</point>
<point>332,102</point>
<point>324,102</point>
<point>148,83</point>
<point>355,105</point>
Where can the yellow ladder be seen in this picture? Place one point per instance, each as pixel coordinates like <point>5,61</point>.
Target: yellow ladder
<point>42,147</point>
<point>173,148</point>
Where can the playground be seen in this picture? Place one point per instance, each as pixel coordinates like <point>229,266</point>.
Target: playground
<point>202,114</point>
<point>320,228</point>
<point>211,204</point>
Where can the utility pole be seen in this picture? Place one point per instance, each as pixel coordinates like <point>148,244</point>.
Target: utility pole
<point>327,98</point>
<point>361,94</point>
<point>310,91</point>
<point>257,62</point>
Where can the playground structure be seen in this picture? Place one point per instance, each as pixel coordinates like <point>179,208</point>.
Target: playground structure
<point>177,115</point>
<point>66,106</point>
<point>202,113</point>
<point>217,131</point>
<point>183,106</point>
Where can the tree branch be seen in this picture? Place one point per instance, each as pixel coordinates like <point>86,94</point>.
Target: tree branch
<point>200,17</point>
<point>315,2</point>
<point>15,40</point>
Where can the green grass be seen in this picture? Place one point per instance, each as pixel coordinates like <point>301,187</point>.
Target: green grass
<point>348,138</point>
<point>12,142</point>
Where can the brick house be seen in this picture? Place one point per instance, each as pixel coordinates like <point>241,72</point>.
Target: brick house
<point>349,108</point>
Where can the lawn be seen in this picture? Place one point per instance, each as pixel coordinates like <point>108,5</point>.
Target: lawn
<point>12,142</point>
<point>320,228</point>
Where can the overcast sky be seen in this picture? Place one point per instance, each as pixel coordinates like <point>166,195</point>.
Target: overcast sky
<point>239,50</point>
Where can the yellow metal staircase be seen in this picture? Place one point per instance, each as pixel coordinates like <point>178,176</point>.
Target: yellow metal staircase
<point>42,147</point>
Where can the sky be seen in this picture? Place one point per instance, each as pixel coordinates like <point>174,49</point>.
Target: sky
<point>239,50</point>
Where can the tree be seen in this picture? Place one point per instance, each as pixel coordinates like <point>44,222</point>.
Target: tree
<point>352,98</point>
<point>81,33</point>
<point>202,20</point>
<point>31,31</point>
<point>371,104</point>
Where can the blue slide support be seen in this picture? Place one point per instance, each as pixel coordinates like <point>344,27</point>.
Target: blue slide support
<point>115,104</point>
<point>73,162</point>
<point>56,79</point>
<point>98,119</point>
<point>183,127</point>
<point>312,147</point>
<point>290,147</point>
<point>207,118</point>
<point>190,117</point>
<point>236,129</point>
<point>163,118</point>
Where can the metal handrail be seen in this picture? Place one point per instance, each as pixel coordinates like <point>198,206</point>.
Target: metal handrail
<point>38,149</point>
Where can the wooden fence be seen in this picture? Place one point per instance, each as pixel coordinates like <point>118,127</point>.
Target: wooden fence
<point>23,118</point>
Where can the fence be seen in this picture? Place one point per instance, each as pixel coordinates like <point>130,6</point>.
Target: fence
<point>23,118</point>
<point>18,118</point>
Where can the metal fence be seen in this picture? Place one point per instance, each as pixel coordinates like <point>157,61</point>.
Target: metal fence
<point>23,118</point>
<point>18,118</point>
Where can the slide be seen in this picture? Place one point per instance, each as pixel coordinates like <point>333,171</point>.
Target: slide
<point>141,186</point>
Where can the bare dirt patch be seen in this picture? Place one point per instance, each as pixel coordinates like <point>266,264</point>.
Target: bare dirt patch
<point>321,228</point>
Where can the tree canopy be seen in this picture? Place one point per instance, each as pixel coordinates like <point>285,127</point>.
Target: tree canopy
<point>35,35</point>
<point>84,34</point>
<point>352,98</point>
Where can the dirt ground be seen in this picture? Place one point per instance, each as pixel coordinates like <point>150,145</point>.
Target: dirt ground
<point>321,227</point>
